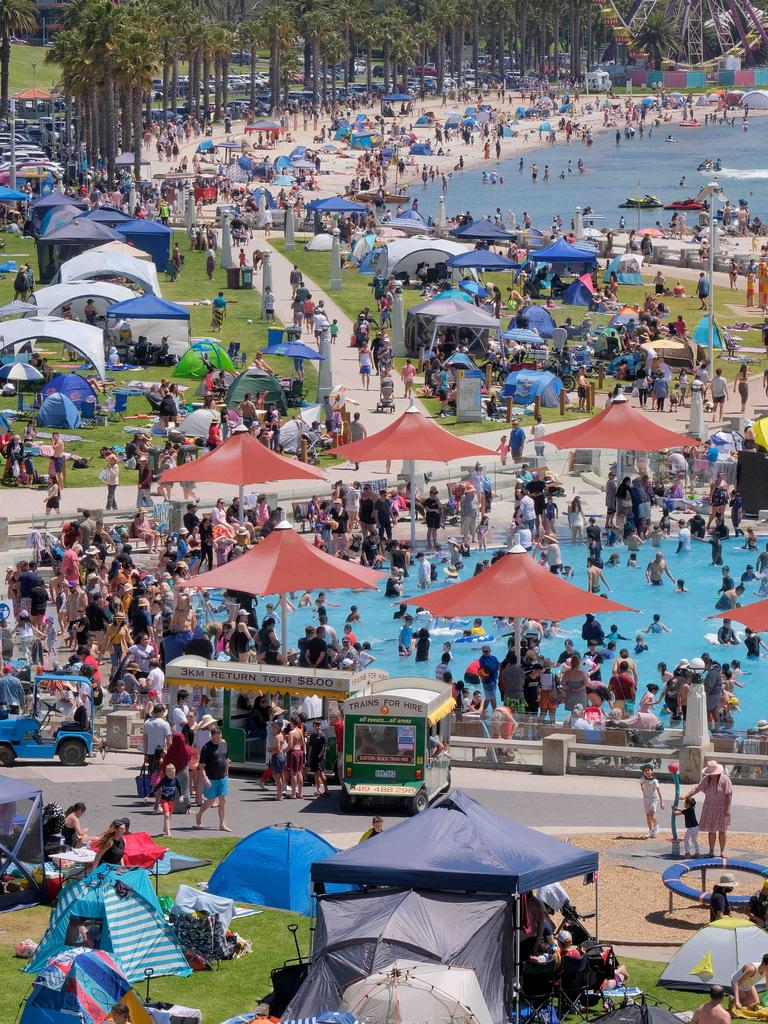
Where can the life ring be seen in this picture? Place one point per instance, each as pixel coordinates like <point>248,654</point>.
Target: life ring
<point>482,638</point>
<point>672,877</point>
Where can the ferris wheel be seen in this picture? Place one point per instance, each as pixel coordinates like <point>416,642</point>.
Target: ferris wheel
<point>739,26</point>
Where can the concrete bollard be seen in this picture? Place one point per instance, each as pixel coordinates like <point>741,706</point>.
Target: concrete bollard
<point>554,754</point>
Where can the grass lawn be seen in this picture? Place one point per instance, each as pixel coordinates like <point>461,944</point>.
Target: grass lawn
<point>22,76</point>
<point>242,323</point>
<point>237,986</point>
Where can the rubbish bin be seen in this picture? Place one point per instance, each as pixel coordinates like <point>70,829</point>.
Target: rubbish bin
<point>233,277</point>
<point>246,277</point>
<point>293,334</point>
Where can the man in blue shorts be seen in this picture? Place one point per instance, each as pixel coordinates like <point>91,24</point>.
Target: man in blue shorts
<point>489,675</point>
<point>214,764</point>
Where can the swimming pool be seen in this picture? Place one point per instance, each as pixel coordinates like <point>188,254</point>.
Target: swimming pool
<point>685,615</point>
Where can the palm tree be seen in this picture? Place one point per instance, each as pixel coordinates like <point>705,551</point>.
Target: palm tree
<point>369,32</point>
<point>17,17</point>
<point>136,62</point>
<point>316,27</point>
<point>280,31</point>
<point>659,37</point>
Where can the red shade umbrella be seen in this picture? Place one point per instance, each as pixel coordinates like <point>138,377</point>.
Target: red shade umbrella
<point>515,586</point>
<point>620,426</point>
<point>754,616</point>
<point>285,562</point>
<point>412,437</point>
<point>239,461</point>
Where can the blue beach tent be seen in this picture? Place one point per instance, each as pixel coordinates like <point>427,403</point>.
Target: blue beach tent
<point>78,985</point>
<point>122,904</point>
<point>623,275</point>
<point>523,386</point>
<point>58,411</point>
<point>539,319</point>
<point>421,149</point>
<point>701,333</point>
<point>75,388</point>
<point>270,868</point>
<point>579,292</point>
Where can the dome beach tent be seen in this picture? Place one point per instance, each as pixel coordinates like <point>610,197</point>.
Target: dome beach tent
<point>404,255</point>
<point>95,264</point>
<point>59,411</point>
<point>627,267</point>
<point>133,930</point>
<point>270,868</point>
<point>256,382</point>
<point>50,301</point>
<point>193,362</point>
<point>21,845</point>
<point>322,242</point>
<point>714,954</point>
<point>81,985</point>
<point>539,319</point>
<point>87,340</point>
<point>579,292</point>
<point>421,992</point>
<point>525,386</point>
<point>701,336</point>
<point>75,388</point>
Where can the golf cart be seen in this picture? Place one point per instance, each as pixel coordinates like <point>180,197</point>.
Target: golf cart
<point>40,736</point>
<point>396,735</point>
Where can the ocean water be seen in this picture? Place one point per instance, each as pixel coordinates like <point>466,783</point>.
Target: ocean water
<point>612,173</point>
<point>691,632</point>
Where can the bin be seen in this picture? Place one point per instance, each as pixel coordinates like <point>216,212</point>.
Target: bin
<point>233,277</point>
<point>246,277</point>
<point>293,334</point>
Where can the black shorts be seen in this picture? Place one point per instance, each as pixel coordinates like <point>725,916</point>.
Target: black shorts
<point>719,401</point>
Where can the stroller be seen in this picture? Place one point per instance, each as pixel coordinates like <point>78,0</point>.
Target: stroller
<point>386,402</point>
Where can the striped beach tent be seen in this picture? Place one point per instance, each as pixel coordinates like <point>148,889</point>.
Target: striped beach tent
<point>117,911</point>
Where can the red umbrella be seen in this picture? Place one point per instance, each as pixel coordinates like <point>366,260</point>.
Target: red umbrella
<point>620,426</point>
<point>239,461</point>
<point>515,586</point>
<point>412,437</point>
<point>285,562</point>
<point>755,616</point>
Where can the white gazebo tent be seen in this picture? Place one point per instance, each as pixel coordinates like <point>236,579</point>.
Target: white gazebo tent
<point>469,321</point>
<point>124,249</point>
<point>94,264</point>
<point>88,341</point>
<point>404,255</point>
<point>51,300</point>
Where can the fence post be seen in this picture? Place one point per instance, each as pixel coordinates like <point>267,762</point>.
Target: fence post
<point>537,405</point>
<point>562,401</point>
<point>303,454</point>
<point>510,403</point>
<point>590,396</point>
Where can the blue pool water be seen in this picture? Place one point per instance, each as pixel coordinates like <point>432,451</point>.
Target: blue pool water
<point>613,173</point>
<point>685,614</point>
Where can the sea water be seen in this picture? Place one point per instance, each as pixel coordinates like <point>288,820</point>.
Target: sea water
<point>692,632</point>
<point>612,173</point>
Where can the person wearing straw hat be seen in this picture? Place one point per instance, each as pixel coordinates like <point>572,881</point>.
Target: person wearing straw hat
<point>715,817</point>
<point>719,907</point>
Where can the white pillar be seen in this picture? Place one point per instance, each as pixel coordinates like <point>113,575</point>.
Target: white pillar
<point>398,323</point>
<point>695,731</point>
<point>442,220</point>
<point>191,212</point>
<point>266,280</point>
<point>325,371</point>
<point>290,237</point>
<point>336,262</point>
<point>132,198</point>
<point>578,223</point>
<point>226,243</point>
<point>696,426</point>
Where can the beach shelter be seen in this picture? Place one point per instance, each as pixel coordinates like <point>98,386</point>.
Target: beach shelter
<point>562,254</point>
<point>111,264</point>
<point>198,423</point>
<point>700,333</point>
<point>256,382</point>
<point>151,236</point>
<point>539,319</point>
<point>58,218</point>
<point>59,245</point>
<point>76,388</point>
<point>50,301</point>
<point>58,411</point>
<point>469,323</point>
<point>405,255</point>
<point>21,842</point>
<point>482,259</point>
<point>80,985</point>
<point>121,907</point>
<point>240,461</point>
<point>421,992</point>
<point>148,307</point>
<point>421,149</point>
<point>270,868</point>
<point>714,954</point>
<point>155,318</point>
<point>413,437</point>
<point>200,357</point>
<point>87,340</point>
<point>619,426</point>
<point>525,386</point>
<point>627,267</point>
<point>322,242</point>
<point>124,250</point>
<point>580,291</point>
<point>12,195</point>
<point>481,231</point>
<point>283,563</point>
<point>365,139</point>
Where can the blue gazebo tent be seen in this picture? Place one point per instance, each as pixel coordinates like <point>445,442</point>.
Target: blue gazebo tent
<point>336,204</point>
<point>109,215</point>
<point>397,97</point>
<point>271,866</point>
<point>701,333</point>
<point>12,195</point>
<point>148,307</point>
<point>579,292</point>
<point>150,236</point>
<point>562,254</point>
<point>524,386</point>
<point>458,845</point>
<point>481,259</point>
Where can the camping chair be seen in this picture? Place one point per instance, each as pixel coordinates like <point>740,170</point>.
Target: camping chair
<point>234,350</point>
<point>577,983</point>
<point>171,271</point>
<point>116,406</point>
<point>537,992</point>
<point>88,411</point>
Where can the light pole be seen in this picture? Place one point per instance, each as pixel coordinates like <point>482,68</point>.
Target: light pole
<point>710,193</point>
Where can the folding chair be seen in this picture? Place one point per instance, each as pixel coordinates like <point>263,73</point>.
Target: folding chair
<point>234,350</point>
<point>576,988</point>
<point>537,992</point>
<point>116,406</point>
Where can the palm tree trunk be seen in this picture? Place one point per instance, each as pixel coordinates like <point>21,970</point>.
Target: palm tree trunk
<point>5,68</point>
<point>315,71</point>
<point>225,81</point>
<point>440,59</point>
<point>166,85</point>
<point>137,135</point>
<point>194,82</point>
<point>476,44</point>
<point>109,124</point>
<point>126,120</point>
<point>175,85</point>
<point>217,89</point>
<point>387,65</point>
<point>252,83</point>
<point>334,67</point>
<point>206,86</point>
<point>369,67</point>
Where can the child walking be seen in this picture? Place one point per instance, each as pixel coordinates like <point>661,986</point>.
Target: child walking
<point>652,800</point>
<point>691,837</point>
<point>503,450</point>
<point>168,788</point>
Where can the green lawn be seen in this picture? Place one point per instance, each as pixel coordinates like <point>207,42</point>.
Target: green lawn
<point>242,323</point>
<point>237,986</point>
<point>23,76</point>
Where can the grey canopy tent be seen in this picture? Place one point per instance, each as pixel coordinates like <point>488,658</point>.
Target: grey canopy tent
<point>469,324</point>
<point>22,856</point>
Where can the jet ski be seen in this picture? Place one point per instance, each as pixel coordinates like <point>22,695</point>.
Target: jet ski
<point>641,203</point>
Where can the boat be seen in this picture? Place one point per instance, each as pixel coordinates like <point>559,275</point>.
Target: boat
<point>690,124</point>
<point>685,204</point>
<point>710,165</point>
<point>391,198</point>
<point>641,203</point>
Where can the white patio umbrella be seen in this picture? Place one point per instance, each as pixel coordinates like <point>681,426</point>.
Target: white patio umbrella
<point>408,992</point>
<point>20,372</point>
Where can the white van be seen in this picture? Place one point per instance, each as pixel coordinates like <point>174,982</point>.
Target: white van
<point>598,81</point>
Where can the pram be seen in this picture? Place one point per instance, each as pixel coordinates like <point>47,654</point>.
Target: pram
<point>386,402</point>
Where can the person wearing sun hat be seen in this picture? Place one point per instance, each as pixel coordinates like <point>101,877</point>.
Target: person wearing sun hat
<point>719,907</point>
<point>715,818</point>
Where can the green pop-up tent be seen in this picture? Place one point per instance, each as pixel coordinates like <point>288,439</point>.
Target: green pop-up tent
<point>200,357</point>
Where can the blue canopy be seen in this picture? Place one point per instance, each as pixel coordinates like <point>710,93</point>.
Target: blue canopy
<point>81,232</point>
<point>148,307</point>
<point>270,868</point>
<point>398,97</point>
<point>457,845</point>
<point>481,231</point>
<point>482,259</point>
<point>12,195</point>
<point>564,253</point>
<point>336,204</point>
<point>109,215</point>
<point>149,236</point>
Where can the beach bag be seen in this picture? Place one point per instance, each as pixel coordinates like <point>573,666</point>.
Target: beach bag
<point>143,782</point>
